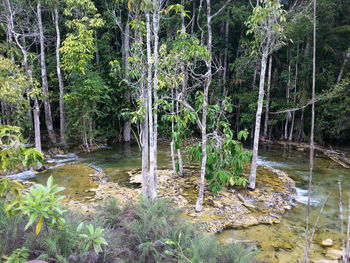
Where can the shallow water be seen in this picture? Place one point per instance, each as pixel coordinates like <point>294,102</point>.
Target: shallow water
<point>278,243</point>
<point>284,242</point>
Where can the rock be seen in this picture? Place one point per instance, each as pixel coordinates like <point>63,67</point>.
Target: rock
<point>327,242</point>
<point>231,208</point>
<point>334,253</point>
<point>324,261</point>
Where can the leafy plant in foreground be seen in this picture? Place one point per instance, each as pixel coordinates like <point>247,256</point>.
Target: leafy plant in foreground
<point>92,237</point>
<point>42,203</point>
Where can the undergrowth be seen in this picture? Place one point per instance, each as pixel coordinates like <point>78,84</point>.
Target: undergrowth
<point>141,232</point>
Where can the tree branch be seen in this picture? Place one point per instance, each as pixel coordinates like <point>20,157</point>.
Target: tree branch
<point>221,9</point>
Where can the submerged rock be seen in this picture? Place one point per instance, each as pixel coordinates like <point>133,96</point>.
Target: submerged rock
<point>334,253</point>
<point>324,261</point>
<point>23,175</point>
<point>327,242</point>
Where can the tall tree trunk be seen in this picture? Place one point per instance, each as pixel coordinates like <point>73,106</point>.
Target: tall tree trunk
<point>287,97</point>
<point>172,144</point>
<point>252,176</point>
<point>266,121</point>
<point>156,7</point>
<point>179,155</point>
<point>183,87</point>
<point>294,97</point>
<point>126,55</point>
<point>312,143</point>
<point>193,17</point>
<point>145,146</point>
<point>199,202</point>
<point>152,162</point>
<point>224,71</point>
<point>36,114</point>
<point>60,81</point>
<point>44,82</point>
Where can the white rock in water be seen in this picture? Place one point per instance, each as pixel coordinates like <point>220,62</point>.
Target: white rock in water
<point>324,261</point>
<point>327,242</point>
<point>334,253</point>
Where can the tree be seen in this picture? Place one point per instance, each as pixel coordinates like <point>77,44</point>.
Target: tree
<point>122,16</point>
<point>312,143</point>
<point>265,24</point>
<point>87,87</point>
<point>44,81</point>
<point>60,79</point>
<point>266,121</point>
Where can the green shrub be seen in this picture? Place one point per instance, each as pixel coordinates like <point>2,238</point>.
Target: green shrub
<point>41,204</point>
<point>226,159</point>
<point>11,194</point>
<point>19,255</point>
<point>13,151</point>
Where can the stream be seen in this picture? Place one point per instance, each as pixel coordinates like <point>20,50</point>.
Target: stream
<point>278,243</point>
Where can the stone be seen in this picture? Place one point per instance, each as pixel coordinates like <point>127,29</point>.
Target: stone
<point>334,253</point>
<point>327,242</point>
<point>322,260</point>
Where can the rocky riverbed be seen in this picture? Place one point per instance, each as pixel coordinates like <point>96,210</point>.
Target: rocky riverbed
<point>231,208</point>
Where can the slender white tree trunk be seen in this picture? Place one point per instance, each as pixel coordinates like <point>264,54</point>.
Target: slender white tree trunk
<point>252,176</point>
<point>294,101</point>
<point>60,80</point>
<point>37,125</point>
<point>287,113</point>
<point>145,146</point>
<point>266,121</point>
<point>152,162</point>
<point>184,87</point>
<point>172,144</point>
<point>44,82</point>
<point>179,155</point>
<point>199,202</point>
<point>224,71</point>
<point>156,6</point>
<point>312,143</point>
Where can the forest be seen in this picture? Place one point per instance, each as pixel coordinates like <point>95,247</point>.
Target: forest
<point>130,128</point>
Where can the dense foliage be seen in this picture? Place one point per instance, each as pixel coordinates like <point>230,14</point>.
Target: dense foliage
<point>99,97</point>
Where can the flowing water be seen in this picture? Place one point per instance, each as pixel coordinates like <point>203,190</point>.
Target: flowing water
<point>278,243</point>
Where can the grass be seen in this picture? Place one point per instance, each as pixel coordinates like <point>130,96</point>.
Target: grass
<point>142,233</point>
